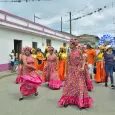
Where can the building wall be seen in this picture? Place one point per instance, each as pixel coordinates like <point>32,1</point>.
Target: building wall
<point>7,44</point>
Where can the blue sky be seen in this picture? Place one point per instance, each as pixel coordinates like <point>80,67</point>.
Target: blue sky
<point>50,12</point>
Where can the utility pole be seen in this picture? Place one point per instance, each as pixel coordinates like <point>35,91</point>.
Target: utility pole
<point>70,23</point>
<point>61,24</point>
<point>35,18</point>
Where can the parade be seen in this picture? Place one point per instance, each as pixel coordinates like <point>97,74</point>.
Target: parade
<point>72,71</point>
<point>57,57</point>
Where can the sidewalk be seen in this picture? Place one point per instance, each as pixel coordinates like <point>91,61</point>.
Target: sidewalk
<point>6,73</point>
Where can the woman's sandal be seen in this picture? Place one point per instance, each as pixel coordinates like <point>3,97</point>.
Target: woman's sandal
<point>65,106</point>
<point>20,99</point>
<point>36,94</point>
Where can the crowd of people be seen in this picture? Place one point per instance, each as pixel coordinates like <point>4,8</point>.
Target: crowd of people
<point>73,71</point>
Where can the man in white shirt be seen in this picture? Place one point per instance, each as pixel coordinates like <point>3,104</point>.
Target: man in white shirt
<point>12,56</point>
<point>97,50</point>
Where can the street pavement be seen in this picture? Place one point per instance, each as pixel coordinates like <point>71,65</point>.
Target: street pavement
<point>46,102</point>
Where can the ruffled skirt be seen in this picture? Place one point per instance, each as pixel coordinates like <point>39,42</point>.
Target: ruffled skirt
<point>89,85</point>
<point>55,84</point>
<point>29,85</point>
<point>86,102</point>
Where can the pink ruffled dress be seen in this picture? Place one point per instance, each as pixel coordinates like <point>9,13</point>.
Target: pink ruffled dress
<point>75,89</point>
<point>51,72</point>
<point>30,79</point>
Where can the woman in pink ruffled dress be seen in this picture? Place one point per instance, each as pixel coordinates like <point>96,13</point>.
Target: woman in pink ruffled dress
<point>75,90</point>
<point>30,80</point>
<point>20,67</point>
<point>51,71</point>
<point>86,72</point>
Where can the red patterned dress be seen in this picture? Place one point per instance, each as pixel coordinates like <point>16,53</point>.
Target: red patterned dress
<point>51,72</point>
<point>75,90</point>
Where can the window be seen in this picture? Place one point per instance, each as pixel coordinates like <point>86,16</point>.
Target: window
<point>34,45</point>
<point>48,42</point>
<point>64,44</point>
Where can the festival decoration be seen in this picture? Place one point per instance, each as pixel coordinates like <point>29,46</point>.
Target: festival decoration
<point>107,38</point>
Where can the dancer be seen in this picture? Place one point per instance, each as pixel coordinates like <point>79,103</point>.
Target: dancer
<point>86,71</point>
<point>30,79</point>
<point>33,51</point>
<point>100,69</point>
<point>40,58</point>
<point>62,63</point>
<point>51,71</point>
<point>46,54</point>
<point>75,89</point>
<point>60,52</point>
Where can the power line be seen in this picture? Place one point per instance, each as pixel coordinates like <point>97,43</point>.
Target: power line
<point>88,14</point>
<point>91,13</point>
<point>85,7</point>
<point>74,11</point>
<point>19,1</point>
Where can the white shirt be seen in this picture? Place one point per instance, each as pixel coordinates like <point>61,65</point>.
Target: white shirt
<point>97,51</point>
<point>12,57</point>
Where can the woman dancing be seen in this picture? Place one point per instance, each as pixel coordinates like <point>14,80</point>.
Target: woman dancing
<point>30,79</point>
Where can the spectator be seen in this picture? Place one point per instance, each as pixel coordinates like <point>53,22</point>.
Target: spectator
<point>109,57</point>
<point>12,56</point>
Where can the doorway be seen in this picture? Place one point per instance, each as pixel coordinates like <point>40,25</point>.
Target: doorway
<point>18,46</point>
<point>64,44</point>
<point>34,45</point>
<point>48,42</point>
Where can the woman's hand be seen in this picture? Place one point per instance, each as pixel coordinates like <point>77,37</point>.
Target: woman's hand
<point>44,59</point>
<point>34,68</point>
<point>65,75</point>
<point>82,69</point>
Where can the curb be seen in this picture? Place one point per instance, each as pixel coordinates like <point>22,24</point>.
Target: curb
<point>7,75</point>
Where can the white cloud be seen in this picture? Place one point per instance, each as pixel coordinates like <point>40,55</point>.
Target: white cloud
<point>50,13</point>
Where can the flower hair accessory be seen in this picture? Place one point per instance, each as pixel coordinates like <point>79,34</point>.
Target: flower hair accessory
<point>27,49</point>
<point>51,48</point>
<point>102,47</point>
<point>74,41</point>
<point>84,47</point>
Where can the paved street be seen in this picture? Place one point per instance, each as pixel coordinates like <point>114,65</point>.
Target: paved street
<point>46,102</point>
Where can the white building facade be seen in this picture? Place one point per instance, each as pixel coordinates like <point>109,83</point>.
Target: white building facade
<point>17,32</point>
